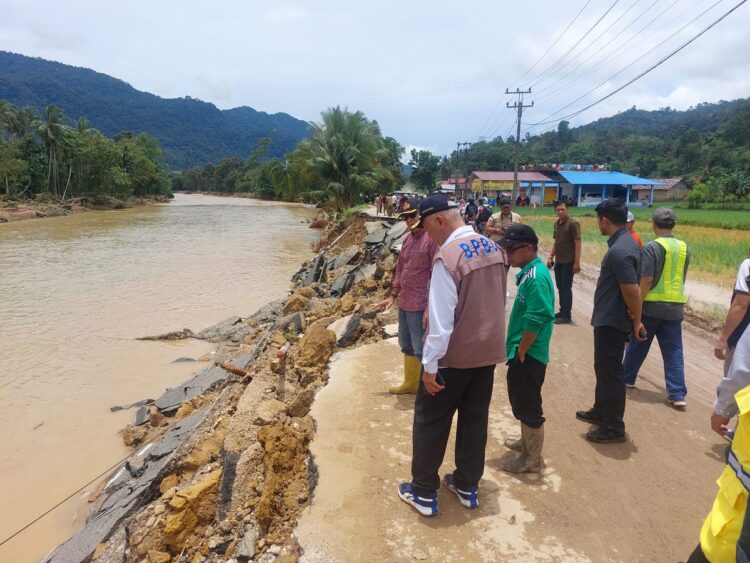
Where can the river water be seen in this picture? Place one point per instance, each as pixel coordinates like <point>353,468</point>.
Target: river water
<point>75,292</point>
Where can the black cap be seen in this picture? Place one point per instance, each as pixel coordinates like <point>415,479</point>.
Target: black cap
<point>434,204</point>
<point>409,208</point>
<point>504,201</point>
<point>519,234</point>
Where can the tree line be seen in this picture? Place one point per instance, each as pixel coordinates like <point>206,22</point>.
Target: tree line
<point>345,160</point>
<point>50,154</point>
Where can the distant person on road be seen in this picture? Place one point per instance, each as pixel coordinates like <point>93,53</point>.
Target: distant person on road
<point>616,316</point>
<point>470,212</point>
<point>378,204</point>
<point>565,257</point>
<point>465,341</point>
<point>664,270</point>
<point>483,215</point>
<point>410,286</point>
<point>498,222</point>
<point>527,344</point>
<point>389,205</point>
<point>631,228</point>
<point>738,317</point>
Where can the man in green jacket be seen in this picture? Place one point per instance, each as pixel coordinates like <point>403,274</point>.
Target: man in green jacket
<point>527,344</point>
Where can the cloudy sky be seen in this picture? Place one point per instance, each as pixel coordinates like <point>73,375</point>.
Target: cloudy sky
<point>430,72</point>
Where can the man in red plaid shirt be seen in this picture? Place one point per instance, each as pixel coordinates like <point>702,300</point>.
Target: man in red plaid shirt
<point>411,286</point>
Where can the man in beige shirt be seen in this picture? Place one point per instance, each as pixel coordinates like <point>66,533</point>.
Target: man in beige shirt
<point>501,220</point>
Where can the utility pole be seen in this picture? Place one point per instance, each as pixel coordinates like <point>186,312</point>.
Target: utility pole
<point>466,161</point>
<point>517,105</point>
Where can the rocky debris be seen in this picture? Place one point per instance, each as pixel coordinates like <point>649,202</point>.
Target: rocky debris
<point>377,237</point>
<point>233,486</point>
<point>342,284</point>
<point>175,335</point>
<point>316,346</point>
<point>390,331</point>
<point>345,329</point>
<point>346,257</point>
<point>130,406</point>
<point>315,273</point>
<point>141,416</point>
<point>269,411</point>
<point>199,384</point>
<point>126,494</point>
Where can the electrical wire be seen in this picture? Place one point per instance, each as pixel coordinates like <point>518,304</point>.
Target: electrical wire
<point>595,88</point>
<point>644,73</point>
<point>550,67</point>
<point>497,106</point>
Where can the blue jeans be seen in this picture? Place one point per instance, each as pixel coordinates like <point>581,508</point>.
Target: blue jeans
<point>410,332</point>
<point>669,335</point>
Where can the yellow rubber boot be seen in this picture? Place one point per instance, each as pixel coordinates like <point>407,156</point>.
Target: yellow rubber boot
<point>412,371</point>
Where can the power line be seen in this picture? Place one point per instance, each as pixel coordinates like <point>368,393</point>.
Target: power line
<point>595,88</point>
<point>663,60</point>
<point>618,50</point>
<point>623,30</point>
<point>500,101</point>
<point>550,67</point>
<point>553,44</point>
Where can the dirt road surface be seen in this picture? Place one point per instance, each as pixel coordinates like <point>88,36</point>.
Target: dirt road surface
<point>643,500</point>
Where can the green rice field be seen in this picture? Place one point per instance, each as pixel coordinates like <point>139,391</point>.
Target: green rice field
<point>716,253</point>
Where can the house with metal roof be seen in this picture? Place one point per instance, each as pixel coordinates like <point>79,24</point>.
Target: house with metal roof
<point>493,184</point>
<point>671,189</point>
<point>588,189</point>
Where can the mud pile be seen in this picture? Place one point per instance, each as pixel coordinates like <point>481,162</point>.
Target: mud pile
<point>223,467</point>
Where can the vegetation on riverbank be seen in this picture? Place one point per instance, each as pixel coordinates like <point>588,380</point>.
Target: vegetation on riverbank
<point>46,155</point>
<point>346,158</point>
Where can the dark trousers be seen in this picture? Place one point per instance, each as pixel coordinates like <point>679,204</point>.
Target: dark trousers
<point>609,401</point>
<point>525,382</point>
<point>564,283</point>
<point>469,391</point>
<point>697,556</point>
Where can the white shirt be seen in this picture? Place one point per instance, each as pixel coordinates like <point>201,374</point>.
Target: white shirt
<point>442,304</point>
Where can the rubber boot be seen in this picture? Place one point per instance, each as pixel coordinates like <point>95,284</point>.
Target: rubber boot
<point>515,444</point>
<point>530,460</point>
<point>412,370</point>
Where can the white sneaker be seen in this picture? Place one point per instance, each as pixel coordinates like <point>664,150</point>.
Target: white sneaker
<point>630,386</point>
<point>678,404</point>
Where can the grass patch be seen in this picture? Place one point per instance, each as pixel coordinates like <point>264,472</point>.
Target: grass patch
<point>715,253</point>
<point>346,213</point>
<point>716,218</point>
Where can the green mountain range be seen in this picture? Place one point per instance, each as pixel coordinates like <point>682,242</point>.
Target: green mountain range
<point>191,132</point>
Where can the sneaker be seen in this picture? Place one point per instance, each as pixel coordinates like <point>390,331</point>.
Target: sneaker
<point>426,506</point>
<point>467,498</point>
<point>629,385</point>
<point>558,315</point>
<point>678,404</point>
<point>605,436</point>
<point>589,416</point>
<point>563,321</point>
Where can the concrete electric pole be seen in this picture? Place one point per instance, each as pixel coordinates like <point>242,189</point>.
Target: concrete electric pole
<point>517,105</point>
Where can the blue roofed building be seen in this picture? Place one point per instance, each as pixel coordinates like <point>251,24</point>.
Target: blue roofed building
<point>588,189</point>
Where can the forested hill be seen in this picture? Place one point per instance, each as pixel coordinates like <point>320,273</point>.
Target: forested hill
<point>704,141</point>
<point>191,132</point>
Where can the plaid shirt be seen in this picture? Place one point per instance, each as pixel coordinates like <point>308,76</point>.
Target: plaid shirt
<point>414,270</point>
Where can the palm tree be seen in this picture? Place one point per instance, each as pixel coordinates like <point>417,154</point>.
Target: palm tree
<point>346,150</point>
<point>54,134</point>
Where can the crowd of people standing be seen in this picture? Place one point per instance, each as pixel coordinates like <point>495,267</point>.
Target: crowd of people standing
<point>450,286</point>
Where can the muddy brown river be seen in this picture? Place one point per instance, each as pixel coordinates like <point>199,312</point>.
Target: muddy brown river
<point>75,292</point>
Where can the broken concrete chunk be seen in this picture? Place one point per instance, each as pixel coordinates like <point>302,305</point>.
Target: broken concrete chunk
<point>376,238</point>
<point>246,547</point>
<point>347,257</point>
<point>341,285</point>
<point>365,272</point>
<point>269,411</point>
<point>141,416</point>
<point>397,230</point>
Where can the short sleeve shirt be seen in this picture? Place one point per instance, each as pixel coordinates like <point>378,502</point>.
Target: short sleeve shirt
<point>654,257</point>
<point>621,265</point>
<point>741,286</point>
<point>565,235</point>
<point>500,221</point>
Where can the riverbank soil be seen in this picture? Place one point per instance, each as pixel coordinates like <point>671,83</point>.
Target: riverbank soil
<point>45,205</point>
<point>643,500</point>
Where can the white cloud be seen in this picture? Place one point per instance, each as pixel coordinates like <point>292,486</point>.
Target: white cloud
<point>428,72</point>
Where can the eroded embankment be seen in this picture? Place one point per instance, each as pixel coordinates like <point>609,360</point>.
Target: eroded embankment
<point>223,467</point>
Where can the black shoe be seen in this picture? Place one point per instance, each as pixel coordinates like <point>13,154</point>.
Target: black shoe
<point>589,416</point>
<point>563,321</point>
<point>558,315</point>
<point>605,436</point>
